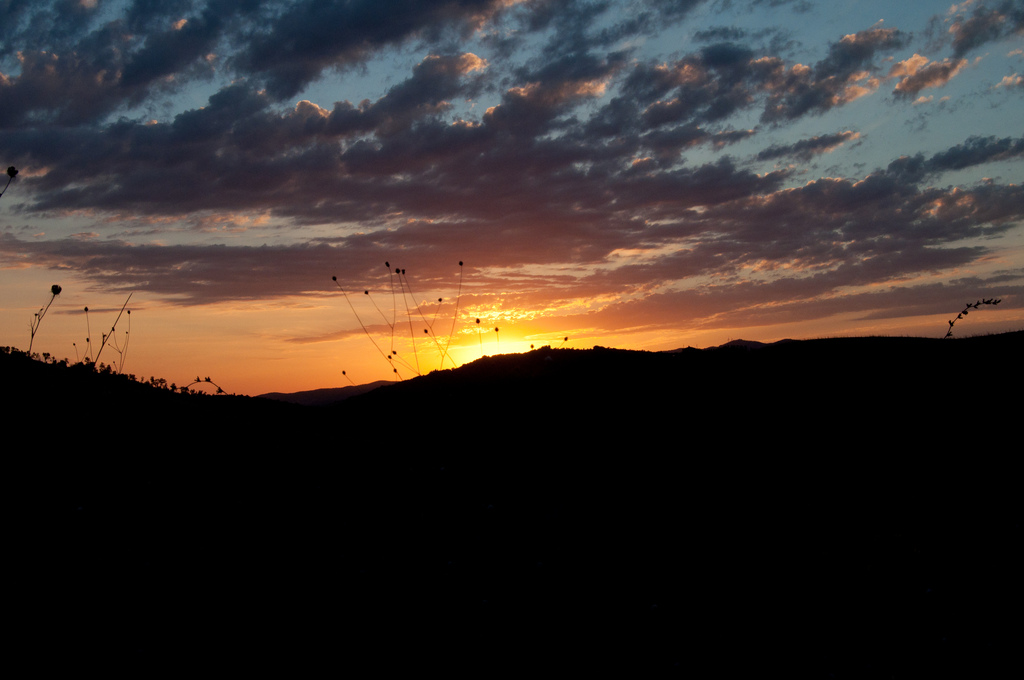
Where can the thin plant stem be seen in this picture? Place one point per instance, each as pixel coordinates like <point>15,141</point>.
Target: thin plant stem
<point>105,336</point>
<point>367,294</point>
<point>430,327</point>
<point>11,172</point>
<point>38,319</point>
<point>122,351</point>
<point>127,336</point>
<point>220,390</point>
<point>394,304</point>
<point>455,317</point>
<point>412,335</point>
<point>362,325</point>
<point>970,306</point>
<point>88,336</point>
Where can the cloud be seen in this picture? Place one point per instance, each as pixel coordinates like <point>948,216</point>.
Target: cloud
<point>843,76</point>
<point>75,69</point>
<point>714,220</point>
<point>541,142</point>
<point>722,79</point>
<point>192,275</point>
<point>806,149</point>
<point>918,75</point>
<point>984,23</point>
<point>61,88</point>
<point>977,150</point>
<point>305,38</point>
<point>1013,81</point>
<point>166,53</point>
<point>534,106</point>
<point>42,24</point>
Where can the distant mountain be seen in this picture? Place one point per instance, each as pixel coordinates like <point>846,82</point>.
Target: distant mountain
<point>751,344</point>
<point>328,395</point>
<point>746,344</point>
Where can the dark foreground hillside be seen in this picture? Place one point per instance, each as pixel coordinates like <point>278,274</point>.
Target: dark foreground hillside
<point>834,508</point>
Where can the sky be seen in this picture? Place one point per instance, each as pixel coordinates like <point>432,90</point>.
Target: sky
<point>297,194</point>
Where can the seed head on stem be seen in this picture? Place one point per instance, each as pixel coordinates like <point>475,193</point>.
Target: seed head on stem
<point>54,292</point>
<point>11,172</point>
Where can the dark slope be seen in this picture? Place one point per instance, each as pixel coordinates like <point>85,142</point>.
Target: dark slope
<point>792,394</point>
<point>834,508</point>
<point>321,397</point>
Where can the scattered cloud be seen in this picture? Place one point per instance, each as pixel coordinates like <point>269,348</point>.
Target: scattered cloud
<point>918,73</point>
<point>630,163</point>
<point>806,149</point>
<point>974,24</point>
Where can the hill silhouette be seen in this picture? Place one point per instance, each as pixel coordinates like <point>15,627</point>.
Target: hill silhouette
<point>826,508</point>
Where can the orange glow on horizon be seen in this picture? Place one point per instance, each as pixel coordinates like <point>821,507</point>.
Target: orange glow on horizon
<point>307,343</point>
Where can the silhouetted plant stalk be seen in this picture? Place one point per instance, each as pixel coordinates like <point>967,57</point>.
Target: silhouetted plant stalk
<point>404,289</point>
<point>38,318</point>
<point>967,308</point>
<point>363,326</point>
<point>455,315</point>
<point>429,330</point>
<point>408,315</point>
<point>497,337</point>
<point>107,337</point>
<point>437,310</point>
<point>203,380</point>
<point>390,324</point>
<point>122,351</point>
<point>393,356</point>
<point>88,336</point>
<point>11,172</point>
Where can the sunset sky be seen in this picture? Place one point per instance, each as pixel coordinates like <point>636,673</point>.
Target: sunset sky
<point>643,174</point>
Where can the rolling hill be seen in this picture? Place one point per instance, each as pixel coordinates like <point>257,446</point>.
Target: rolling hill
<point>827,508</point>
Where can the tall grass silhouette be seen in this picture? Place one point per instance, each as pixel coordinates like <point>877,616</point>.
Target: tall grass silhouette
<point>121,351</point>
<point>38,318</point>
<point>403,296</point>
<point>88,335</point>
<point>111,337</point>
<point>387,357</point>
<point>455,315</point>
<point>966,309</point>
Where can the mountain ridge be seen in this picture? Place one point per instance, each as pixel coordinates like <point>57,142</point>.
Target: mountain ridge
<point>883,350</point>
<point>837,508</point>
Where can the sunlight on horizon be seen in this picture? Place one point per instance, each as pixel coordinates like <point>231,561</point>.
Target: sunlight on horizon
<point>663,175</point>
<point>235,349</point>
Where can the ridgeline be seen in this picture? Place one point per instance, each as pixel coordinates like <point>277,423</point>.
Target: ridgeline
<point>827,508</point>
